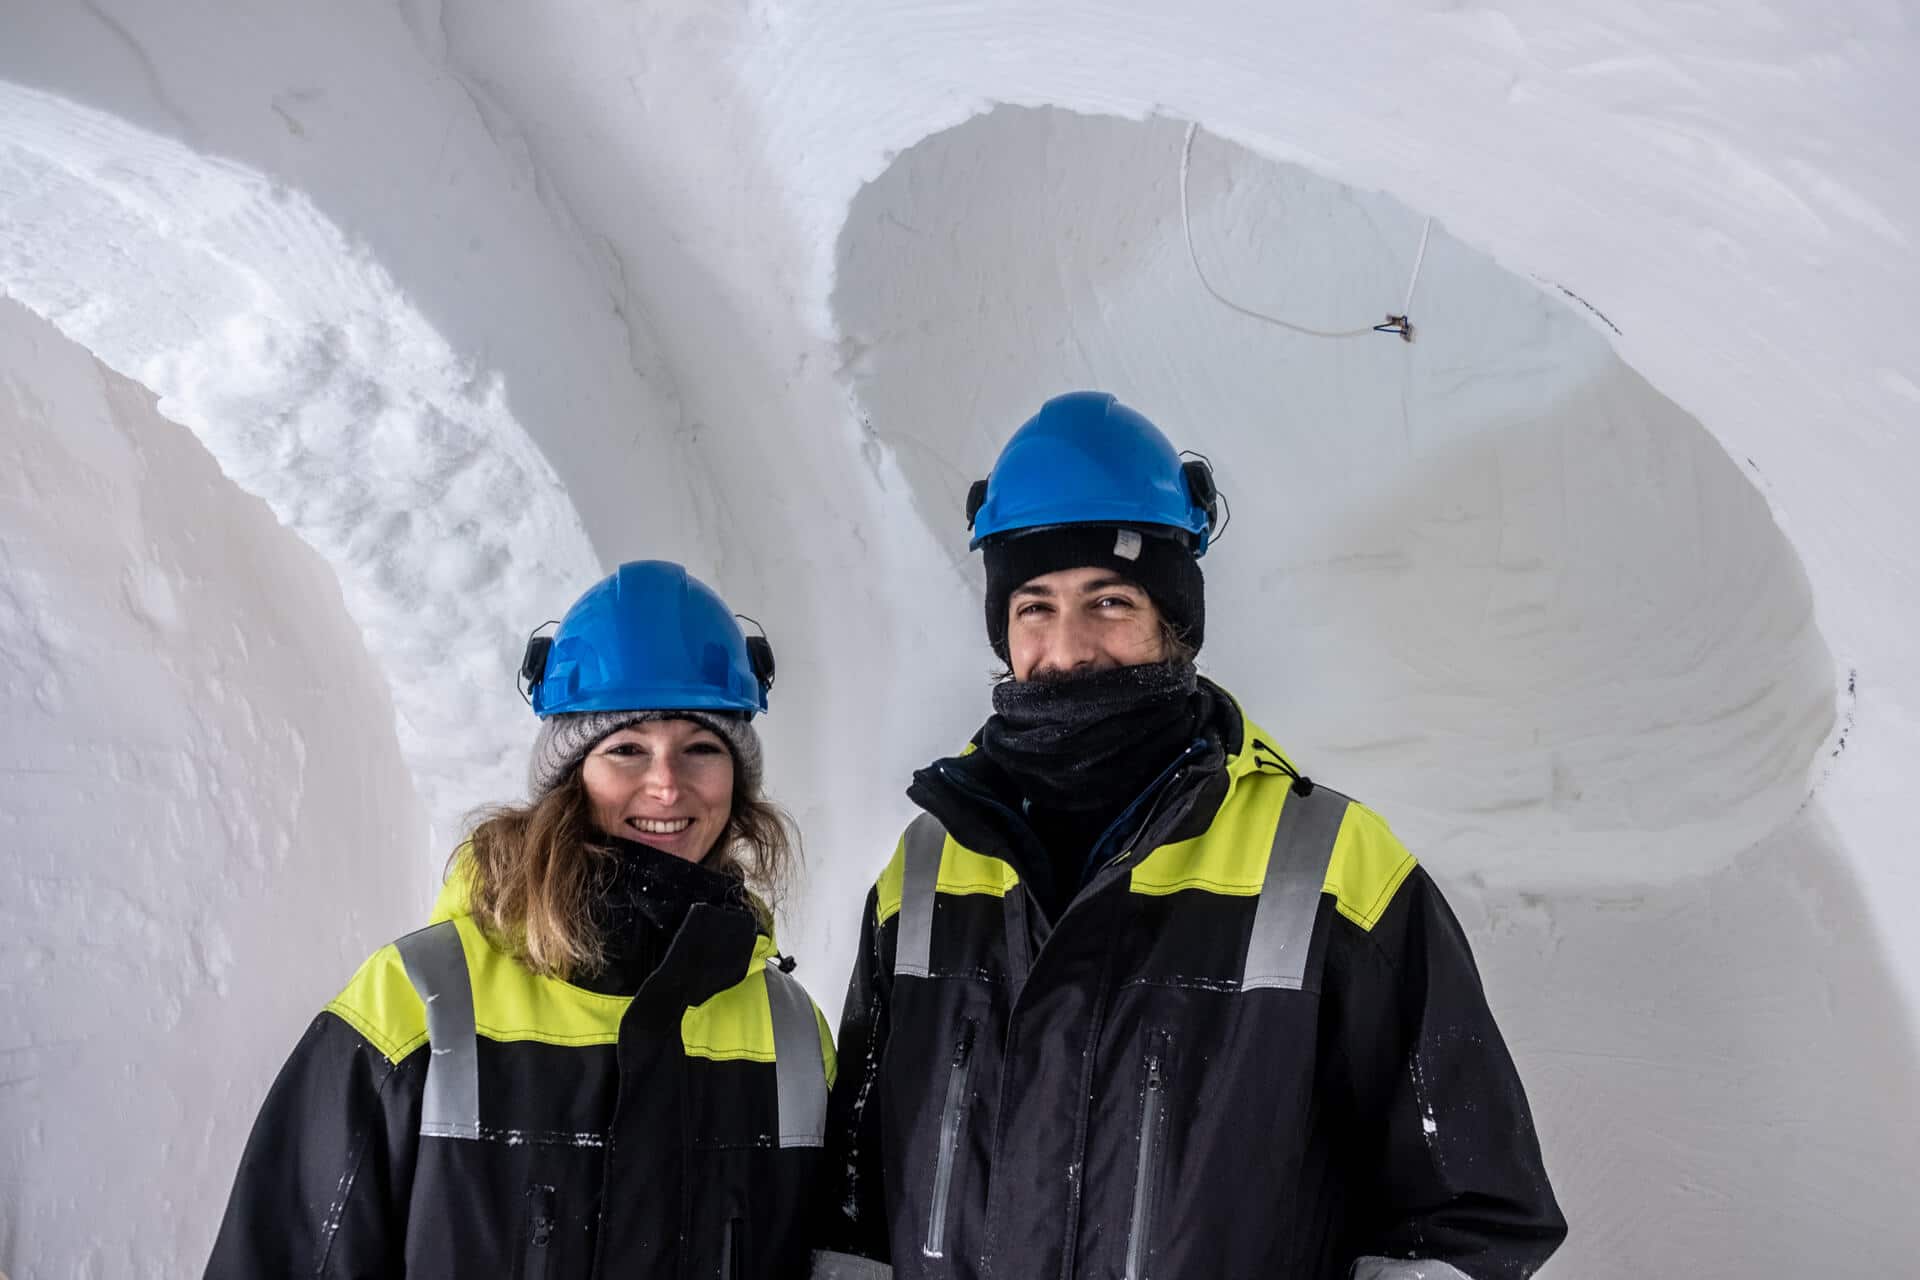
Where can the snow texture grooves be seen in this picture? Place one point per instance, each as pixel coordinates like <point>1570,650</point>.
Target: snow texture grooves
<point>319,387</point>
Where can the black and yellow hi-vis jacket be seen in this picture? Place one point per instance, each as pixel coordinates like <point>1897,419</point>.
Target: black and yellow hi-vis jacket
<point>1253,1045</point>
<point>451,1113</point>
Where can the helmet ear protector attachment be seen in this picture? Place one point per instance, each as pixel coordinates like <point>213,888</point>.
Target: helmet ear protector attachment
<point>1204,492</point>
<point>759,655</point>
<point>533,663</point>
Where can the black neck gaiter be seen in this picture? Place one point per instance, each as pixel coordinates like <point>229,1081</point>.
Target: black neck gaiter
<point>640,899</point>
<point>1087,745</point>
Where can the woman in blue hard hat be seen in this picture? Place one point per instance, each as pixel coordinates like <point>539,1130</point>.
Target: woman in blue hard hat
<point>593,1061</point>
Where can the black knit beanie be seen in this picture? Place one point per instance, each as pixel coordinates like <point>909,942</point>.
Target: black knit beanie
<point>1165,569</point>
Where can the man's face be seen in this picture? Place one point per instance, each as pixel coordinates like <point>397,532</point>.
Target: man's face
<point>1081,620</point>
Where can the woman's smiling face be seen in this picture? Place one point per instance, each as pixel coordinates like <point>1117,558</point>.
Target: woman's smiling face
<point>664,783</point>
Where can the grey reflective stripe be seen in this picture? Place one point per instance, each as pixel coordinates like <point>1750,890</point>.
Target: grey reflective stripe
<point>1406,1269</point>
<point>437,967</point>
<point>919,881</point>
<point>846,1266</point>
<point>800,1072</point>
<point>1290,895</point>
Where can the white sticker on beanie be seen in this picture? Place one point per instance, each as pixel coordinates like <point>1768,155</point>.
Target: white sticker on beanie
<point>1126,544</point>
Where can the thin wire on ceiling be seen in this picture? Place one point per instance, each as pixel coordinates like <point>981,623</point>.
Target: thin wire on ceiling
<point>1397,324</point>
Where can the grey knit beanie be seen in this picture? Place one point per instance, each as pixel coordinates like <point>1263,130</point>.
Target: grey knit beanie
<point>565,739</point>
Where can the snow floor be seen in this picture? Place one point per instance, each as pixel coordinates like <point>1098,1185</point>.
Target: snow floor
<point>340,346</point>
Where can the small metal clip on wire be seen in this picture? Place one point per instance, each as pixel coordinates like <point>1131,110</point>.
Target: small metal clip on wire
<point>1397,324</point>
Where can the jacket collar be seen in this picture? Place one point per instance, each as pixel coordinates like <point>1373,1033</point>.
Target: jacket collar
<point>713,947</point>
<point>980,806</point>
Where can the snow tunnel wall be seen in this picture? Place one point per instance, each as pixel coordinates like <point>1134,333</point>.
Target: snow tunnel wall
<point>198,779</point>
<point>631,216</point>
<point>438,417</point>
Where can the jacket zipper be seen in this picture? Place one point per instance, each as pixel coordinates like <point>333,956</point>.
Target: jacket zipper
<point>733,1253</point>
<point>1146,1173</point>
<point>1156,789</point>
<point>952,1116</point>
<point>541,1221</point>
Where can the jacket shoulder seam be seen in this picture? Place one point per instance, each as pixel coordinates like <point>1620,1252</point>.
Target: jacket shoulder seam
<point>394,1049</point>
<point>1367,868</point>
<point>381,1003</point>
<point>1368,915</point>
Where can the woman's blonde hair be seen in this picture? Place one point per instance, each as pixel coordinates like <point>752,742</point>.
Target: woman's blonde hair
<point>533,871</point>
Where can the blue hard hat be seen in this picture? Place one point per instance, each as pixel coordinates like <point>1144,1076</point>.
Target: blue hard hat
<point>651,637</point>
<point>1085,458</point>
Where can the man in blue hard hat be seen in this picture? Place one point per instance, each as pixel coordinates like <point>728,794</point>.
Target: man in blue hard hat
<point>1135,997</point>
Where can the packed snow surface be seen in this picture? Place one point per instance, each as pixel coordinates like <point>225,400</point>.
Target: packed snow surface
<point>1602,590</point>
<point>189,799</point>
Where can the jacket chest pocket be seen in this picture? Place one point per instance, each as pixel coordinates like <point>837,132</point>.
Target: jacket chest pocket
<point>953,1119</point>
<point>733,1250</point>
<point>543,1223</point>
<point>1150,1153</point>
<point>742,1213</point>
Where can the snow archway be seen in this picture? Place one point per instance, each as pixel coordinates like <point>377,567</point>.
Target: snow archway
<point>1489,579</point>
<point>318,387</point>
